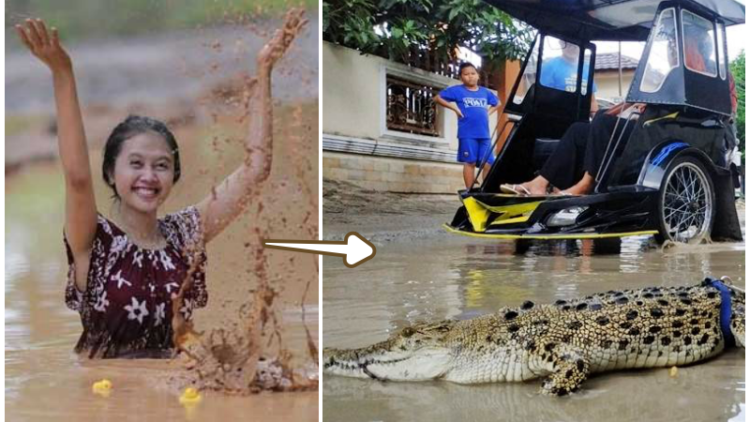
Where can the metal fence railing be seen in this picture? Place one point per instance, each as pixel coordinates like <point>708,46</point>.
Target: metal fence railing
<point>409,106</point>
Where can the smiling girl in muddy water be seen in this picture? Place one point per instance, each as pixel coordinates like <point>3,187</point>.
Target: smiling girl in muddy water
<point>124,271</point>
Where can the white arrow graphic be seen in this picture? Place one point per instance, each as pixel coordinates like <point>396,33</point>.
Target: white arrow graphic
<point>355,249</point>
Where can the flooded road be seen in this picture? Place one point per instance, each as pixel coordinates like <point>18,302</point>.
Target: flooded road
<point>461,278</point>
<point>46,381</point>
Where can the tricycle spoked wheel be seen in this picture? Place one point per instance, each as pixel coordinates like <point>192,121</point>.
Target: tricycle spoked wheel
<point>685,208</point>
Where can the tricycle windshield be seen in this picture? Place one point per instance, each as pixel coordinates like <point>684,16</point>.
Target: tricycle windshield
<point>663,57</point>
<point>559,68</point>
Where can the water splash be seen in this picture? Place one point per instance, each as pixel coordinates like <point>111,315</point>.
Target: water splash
<point>251,356</point>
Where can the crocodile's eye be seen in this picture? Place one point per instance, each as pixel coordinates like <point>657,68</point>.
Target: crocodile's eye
<point>407,332</point>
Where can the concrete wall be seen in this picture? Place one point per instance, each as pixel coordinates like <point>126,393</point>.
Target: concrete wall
<point>350,96</point>
<point>392,174</point>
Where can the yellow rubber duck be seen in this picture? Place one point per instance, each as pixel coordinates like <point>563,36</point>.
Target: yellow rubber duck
<point>190,396</point>
<point>102,388</point>
<point>673,372</point>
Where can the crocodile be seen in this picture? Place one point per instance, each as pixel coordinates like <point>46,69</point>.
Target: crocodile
<point>563,342</point>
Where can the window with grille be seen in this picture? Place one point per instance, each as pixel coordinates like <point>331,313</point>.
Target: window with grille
<point>410,108</point>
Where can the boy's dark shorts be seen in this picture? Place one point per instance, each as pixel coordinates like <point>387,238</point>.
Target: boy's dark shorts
<point>474,151</point>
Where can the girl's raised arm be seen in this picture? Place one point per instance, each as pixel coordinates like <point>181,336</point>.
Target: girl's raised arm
<point>80,205</point>
<point>234,193</point>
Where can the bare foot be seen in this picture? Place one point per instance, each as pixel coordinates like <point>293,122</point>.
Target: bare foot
<point>583,187</point>
<point>537,186</point>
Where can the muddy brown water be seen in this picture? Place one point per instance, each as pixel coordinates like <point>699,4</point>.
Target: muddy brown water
<point>155,67</point>
<point>45,380</point>
<point>456,277</point>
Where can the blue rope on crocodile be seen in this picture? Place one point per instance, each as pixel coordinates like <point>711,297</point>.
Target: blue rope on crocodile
<point>725,315</point>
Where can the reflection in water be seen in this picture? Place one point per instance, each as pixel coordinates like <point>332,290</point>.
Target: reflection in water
<point>620,397</point>
<point>459,278</point>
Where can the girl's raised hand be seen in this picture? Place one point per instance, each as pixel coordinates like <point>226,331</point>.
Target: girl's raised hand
<point>282,39</point>
<point>45,45</point>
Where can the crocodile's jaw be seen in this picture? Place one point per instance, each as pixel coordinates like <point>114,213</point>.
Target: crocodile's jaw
<point>424,364</point>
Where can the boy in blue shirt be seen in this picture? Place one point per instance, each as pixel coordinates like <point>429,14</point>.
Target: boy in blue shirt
<point>470,102</point>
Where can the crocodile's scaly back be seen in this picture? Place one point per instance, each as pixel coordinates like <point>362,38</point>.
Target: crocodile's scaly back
<point>566,341</point>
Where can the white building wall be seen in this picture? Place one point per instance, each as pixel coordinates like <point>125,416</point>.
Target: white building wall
<point>607,85</point>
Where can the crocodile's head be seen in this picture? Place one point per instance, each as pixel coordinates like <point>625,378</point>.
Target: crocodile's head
<point>415,353</point>
<point>737,324</point>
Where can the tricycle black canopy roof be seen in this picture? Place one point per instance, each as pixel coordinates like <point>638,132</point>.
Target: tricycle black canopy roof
<point>606,20</point>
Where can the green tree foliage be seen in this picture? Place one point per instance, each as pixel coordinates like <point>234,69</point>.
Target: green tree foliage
<point>738,71</point>
<point>391,28</point>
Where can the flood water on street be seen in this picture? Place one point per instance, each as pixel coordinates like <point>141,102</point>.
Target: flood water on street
<point>454,277</point>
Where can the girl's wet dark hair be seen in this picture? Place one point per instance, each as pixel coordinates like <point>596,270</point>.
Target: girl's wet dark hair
<point>132,126</point>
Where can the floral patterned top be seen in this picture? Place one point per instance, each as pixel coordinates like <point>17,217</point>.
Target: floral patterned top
<point>126,310</point>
